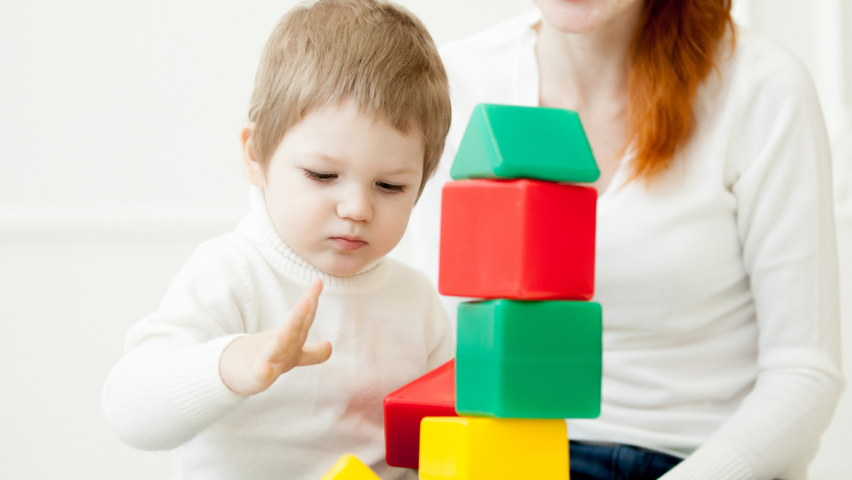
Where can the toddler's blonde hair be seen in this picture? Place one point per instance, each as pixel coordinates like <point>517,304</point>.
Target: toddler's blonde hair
<point>370,51</point>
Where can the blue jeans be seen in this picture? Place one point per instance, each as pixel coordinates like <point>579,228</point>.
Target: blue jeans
<point>620,462</point>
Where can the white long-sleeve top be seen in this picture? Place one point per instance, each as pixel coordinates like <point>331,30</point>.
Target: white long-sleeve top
<point>386,326</point>
<point>718,281</point>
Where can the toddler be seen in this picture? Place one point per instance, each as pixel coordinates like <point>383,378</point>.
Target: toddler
<point>235,371</point>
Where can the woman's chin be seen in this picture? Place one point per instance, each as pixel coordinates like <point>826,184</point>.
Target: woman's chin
<point>570,22</point>
<point>581,16</point>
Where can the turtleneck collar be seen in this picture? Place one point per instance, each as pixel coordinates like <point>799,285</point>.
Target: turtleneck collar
<point>257,225</point>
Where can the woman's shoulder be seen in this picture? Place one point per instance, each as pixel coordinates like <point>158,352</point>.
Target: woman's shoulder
<point>756,86</point>
<point>766,66</point>
<point>769,99</point>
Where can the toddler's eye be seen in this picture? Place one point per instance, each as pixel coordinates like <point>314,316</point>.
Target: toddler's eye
<point>390,187</point>
<point>320,176</point>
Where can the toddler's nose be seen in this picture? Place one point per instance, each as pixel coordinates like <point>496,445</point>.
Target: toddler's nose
<point>356,205</point>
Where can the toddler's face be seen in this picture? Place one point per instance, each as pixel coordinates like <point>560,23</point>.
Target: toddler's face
<point>340,187</point>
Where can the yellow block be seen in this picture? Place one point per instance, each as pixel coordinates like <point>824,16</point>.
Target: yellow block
<point>349,468</point>
<point>475,448</point>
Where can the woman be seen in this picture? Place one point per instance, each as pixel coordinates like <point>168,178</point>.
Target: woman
<point>716,256</point>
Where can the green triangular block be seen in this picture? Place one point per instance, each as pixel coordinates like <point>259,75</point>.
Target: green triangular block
<point>506,141</point>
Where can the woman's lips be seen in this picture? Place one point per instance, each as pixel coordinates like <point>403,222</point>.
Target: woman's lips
<point>350,244</point>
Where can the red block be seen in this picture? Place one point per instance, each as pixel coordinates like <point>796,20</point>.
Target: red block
<point>517,239</point>
<point>432,395</point>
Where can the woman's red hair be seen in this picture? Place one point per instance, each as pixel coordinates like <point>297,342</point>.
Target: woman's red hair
<point>673,51</point>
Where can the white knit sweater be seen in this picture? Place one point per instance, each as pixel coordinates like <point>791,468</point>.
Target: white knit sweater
<point>386,326</point>
<point>718,283</point>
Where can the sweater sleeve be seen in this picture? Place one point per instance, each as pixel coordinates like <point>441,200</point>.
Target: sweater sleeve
<point>167,388</point>
<point>779,171</point>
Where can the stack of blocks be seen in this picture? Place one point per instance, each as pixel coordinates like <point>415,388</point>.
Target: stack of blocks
<point>529,356</point>
<point>514,233</point>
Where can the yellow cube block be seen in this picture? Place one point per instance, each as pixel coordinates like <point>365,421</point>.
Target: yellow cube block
<point>349,468</point>
<point>475,448</point>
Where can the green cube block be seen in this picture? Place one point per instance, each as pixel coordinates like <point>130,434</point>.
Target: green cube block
<point>505,141</point>
<point>522,359</point>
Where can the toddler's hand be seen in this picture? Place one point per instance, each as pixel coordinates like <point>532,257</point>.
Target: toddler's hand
<point>249,365</point>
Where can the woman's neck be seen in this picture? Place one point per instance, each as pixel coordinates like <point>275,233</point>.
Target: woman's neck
<point>578,70</point>
<point>587,72</point>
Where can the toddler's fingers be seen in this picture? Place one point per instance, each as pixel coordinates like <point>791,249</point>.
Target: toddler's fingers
<point>313,353</point>
<point>308,322</point>
<point>312,295</point>
<point>286,340</point>
<point>314,290</point>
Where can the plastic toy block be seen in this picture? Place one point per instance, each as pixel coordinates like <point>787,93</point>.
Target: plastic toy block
<point>465,448</point>
<point>529,359</point>
<point>518,239</point>
<point>505,141</point>
<point>432,395</point>
<point>349,468</point>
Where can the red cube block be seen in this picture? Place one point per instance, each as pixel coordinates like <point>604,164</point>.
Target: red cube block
<point>432,395</point>
<point>517,239</point>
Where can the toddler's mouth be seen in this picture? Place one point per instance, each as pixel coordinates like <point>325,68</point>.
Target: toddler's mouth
<point>349,243</point>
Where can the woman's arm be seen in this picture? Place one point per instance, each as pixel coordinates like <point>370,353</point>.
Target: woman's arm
<point>781,176</point>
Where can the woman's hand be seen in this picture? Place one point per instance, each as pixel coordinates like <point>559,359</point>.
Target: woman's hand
<point>249,365</point>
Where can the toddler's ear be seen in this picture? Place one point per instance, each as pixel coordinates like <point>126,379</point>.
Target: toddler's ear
<point>254,172</point>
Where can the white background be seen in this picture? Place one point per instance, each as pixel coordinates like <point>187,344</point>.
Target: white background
<point>119,154</point>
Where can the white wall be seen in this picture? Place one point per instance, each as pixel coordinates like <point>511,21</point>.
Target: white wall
<point>119,154</point>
